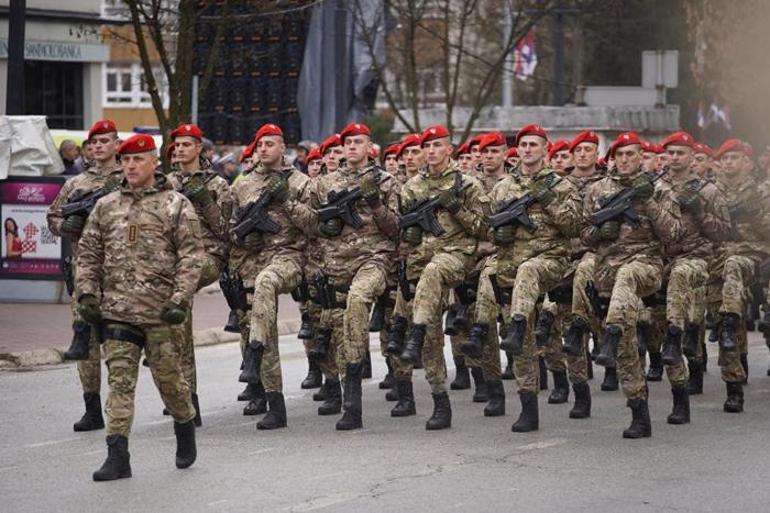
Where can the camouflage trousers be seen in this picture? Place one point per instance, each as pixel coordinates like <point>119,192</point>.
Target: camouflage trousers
<point>737,275</point>
<point>281,276</point>
<point>555,358</point>
<point>581,305</point>
<point>633,281</point>
<point>184,336</point>
<point>89,370</point>
<point>656,316</point>
<point>403,308</point>
<point>486,311</point>
<point>321,319</point>
<point>162,351</point>
<point>367,285</point>
<point>686,284</point>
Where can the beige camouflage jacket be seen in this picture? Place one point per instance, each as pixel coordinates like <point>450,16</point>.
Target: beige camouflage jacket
<point>90,180</point>
<point>749,205</point>
<point>582,184</point>
<point>461,230</point>
<point>659,223</point>
<point>556,223</point>
<point>290,241</point>
<point>140,249</point>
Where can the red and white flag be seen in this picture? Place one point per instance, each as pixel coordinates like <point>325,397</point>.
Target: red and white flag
<point>525,57</point>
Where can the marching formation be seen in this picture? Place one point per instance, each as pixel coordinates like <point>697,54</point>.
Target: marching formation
<point>535,249</point>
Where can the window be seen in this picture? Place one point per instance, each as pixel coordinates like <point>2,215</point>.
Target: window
<point>115,9</point>
<point>125,86</point>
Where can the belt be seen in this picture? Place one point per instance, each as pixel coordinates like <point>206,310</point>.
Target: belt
<point>124,332</point>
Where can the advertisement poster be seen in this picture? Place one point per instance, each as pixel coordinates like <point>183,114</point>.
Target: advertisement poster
<point>27,248</point>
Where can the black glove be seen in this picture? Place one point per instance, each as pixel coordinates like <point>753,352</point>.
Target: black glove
<point>89,308</point>
<point>609,231</point>
<point>412,235</point>
<point>689,200</point>
<point>173,313</point>
<point>252,242</point>
<point>73,225</point>
<point>331,228</point>
<point>195,190</point>
<point>370,191</point>
<point>278,188</point>
<point>542,193</point>
<point>450,201</point>
<point>643,187</point>
<point>504,235</point>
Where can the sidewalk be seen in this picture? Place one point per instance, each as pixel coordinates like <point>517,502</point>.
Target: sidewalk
<point>38,334</point>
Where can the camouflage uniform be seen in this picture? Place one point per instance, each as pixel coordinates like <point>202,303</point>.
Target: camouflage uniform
<point>92,179</point>
<point>141,249</point>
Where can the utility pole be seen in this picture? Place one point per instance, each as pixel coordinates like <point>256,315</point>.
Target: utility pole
<point>14,100</point>
<point>558,56</point>
<point>509,80</point>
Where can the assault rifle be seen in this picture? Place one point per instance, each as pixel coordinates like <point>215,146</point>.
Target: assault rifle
<point>341,205</point>
<point>516,210</point>
<point>254,217</point>
<point>423,213</point>
<point>620,206</point>
<point>83,202</point>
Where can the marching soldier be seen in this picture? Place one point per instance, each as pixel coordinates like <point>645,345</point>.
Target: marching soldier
<point>140,259</point>
<point>314,161</point>
<point>100,178</point>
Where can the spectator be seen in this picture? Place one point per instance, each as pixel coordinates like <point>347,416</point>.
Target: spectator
<point>227,167</point>
<point>70,153</point>
<point>303,148</point>
<point>209,150</point>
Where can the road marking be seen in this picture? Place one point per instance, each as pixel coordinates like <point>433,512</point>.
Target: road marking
<point>322,502</point>
<point>261,451</point>
<point>544,444</point>
<point>3,469</point>
<point>215,503</point>
<point>50,442</point>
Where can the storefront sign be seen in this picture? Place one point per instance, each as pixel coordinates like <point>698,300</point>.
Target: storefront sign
<point>35,50</point>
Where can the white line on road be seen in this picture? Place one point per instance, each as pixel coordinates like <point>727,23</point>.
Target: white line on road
<point>3,469</point>
<point>543,444</point>
<point>322,502</point>
<point>50,442</point>
<point>216,503</point>
<point>261,451</point>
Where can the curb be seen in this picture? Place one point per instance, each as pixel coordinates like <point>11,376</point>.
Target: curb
<point>204,337</point>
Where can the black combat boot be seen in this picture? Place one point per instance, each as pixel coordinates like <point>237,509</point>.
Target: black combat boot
<point>413,346</point>
<point>728,334</point>
<point>462,379</point>
<point>734,402</point>
<point>529,418</point>
<point>642,337</point>
<point>257,405</point>
<point>252,361</point>
<point>197,420</point>
<point>118,462</point>
<point>543,328</point>
<point>695,385</point>
<point>320,396</point>
<point>233,324</point>
<point>641,426</point>
<point>655,372</point>
<point>609,350</point>
<point>388,382</point>
<point>405,406</point>
<point>508,371</point>
<point>496,405</point>
<point>474,345</point>
<point>480,393</point>
<point>680,414</point>
<point>320,347</point>
<point>442,413</point>
<point>582,407</point>
<point>351,419</point>
<point>745,365</point>
<point>610,383</point>
<point>314,378</point>
<point>543,369</point>
<point>392,394</point>
<point>691,339</point>
<point>306,328</point>
<point>185,444</point>
<point>92,419</point>
<point>573,339</point>
<point>366,368</point>
<point>589,364</point>
<point>81,336</point>
<point>276,413</point>
<point>396,336</point>
<point>560,392</point>
<point>672,346</point>
<point>333,403</point>
<point>249,392</point>
<point>514,340</point>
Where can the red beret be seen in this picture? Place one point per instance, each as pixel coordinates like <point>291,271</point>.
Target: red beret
<point>463,149</point>
<point>626,139</point>
<point>648,147</point>
<point>586,136</point>
<point>104,126</point>
<point>248,152</point>
<point>531,130</point>
<point>433,133</point>
<point>188,130</point>
<point>730,145</point>
<point>600,162</point>
<point>409,140</point>
<point>267,129</point>
<point>391,149</point>
<point>170,150</point>
<point>374,153</point>
<point>492,139</point>
<point>475,140</point>
<point>139,143</point>
<point>560,145</point>
<point>703,148</point>
<point>314,154</point>
<point>678,139</point>
<point>355,129</point>
<point>513,151</point>
<point>330,142</point>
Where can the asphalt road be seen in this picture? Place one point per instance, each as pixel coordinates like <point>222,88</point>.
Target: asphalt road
<point>718,463</point>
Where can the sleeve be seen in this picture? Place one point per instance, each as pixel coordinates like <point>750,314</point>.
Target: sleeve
<point>300,207</point>
<point>565,209</point>
<point>665,215</point>
<point>217,214</point>
<point>189,252</point>
<point>474,212</point>
<point>88,276</point>
<point>54,216</point>
<point>588,232</point>
<point>716,218</point>
<point>386,215</point>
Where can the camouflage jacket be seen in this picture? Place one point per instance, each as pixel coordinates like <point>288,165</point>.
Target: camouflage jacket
<point>488,182</point>
<point>290,241</point>
<point>660,223</point>
<point>375,241</point>
<point>461,230</point>
<point>555,223</point>
<point>749,207</point>
<point>697,236</point>
<point>582,184</point>
<point>90,180</point>
<point>140,249</point>
<point>214,218</point>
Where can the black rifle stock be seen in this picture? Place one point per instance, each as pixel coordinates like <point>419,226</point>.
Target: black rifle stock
<point>620,206</point>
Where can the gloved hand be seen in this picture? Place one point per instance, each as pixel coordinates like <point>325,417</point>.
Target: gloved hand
<point>73,225</point>
<point>252,242</point>
<point>541,193</point>
<point>689,200</point>
<point>370,192</point>
<point>195,190</point>
<point>412,235</point>
<point>173,313</point>
<point>113,183</point>
<point>609,231</point>
<point>643,187</point>
<point>331,228</point>
<point>450,201</point>
<point>504,235</point>
<point>278,188</point>
<point>89,308</point>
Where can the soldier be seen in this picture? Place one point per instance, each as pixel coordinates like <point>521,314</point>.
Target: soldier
<point>741,255</point>
<point>464,158</point>
<point>704,221</point>
<point>103,176</point>
<point>314,161</point>
<point>440,259</point>
<point>473,149</point>
<point>629,264</point>
<point>412,155</point>
<point>702,161</point>
<point>390,158</point>
<point>210,195</point>
<point>332,151</point>
<point>560,158</point>
<point>512,157</point>
<point>649,157</point>
<point>140,260</point>
<point>273,261</point>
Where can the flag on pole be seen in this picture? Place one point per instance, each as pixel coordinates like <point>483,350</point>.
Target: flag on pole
<point>525,57</point>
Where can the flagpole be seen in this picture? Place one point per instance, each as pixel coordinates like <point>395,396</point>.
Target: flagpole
<point>509,82</point>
